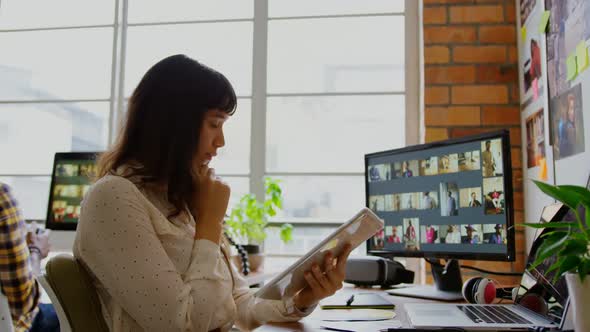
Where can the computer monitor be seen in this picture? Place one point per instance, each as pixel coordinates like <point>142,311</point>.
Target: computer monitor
<point>72,174</point>
<point>450,199</point>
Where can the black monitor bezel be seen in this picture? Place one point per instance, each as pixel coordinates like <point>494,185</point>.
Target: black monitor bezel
<point>509,256</point>
<point>59,157</point>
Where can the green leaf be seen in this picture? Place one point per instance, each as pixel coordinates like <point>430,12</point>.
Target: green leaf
<point>555,265</point>
<point>568,198</point>
<point>587,208</point>
<point>550,247</point>
<point>286,233</point>
<point>250,216</point>
<point>574,247</point>
<point>552,233</point>
<point>271,212</point>
<point>582,193</point>
<point>569,263</point>
<point>555,224</point>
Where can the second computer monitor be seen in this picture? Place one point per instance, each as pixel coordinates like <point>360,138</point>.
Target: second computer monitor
<point>449,199</point>
<point>73,173</point>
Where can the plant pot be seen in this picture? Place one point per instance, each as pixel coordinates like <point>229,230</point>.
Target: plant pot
<point>579,293</point>
<point>255,257</point>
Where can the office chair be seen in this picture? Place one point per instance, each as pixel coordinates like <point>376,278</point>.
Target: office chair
<point>73,295</point>
<point>5,317</point>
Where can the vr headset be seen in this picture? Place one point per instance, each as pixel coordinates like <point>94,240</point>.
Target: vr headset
<point>376,271</point>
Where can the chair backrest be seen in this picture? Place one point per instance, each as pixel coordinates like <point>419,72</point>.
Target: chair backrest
<point>64,324</point>
<point>5,317</point>
<point>75,293</point>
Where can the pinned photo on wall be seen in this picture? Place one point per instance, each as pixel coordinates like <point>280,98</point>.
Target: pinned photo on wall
<point>535,138</point>
<point>531,71</point>
<point>568,28</point>
<point>567,124</point>
<point>526,7</point>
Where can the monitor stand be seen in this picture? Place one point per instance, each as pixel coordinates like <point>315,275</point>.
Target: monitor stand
<point>447,284</point>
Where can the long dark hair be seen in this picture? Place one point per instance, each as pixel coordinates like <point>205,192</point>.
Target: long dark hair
<point>163,124</point>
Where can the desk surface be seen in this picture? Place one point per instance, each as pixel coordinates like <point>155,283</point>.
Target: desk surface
<point>313,321</point>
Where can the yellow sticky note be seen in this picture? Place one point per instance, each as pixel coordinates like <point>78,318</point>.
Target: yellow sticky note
<point>572,69</point>
<point>581,56</point>
<point>544,21</point>
<point>523,33</point>
<point>543,169</point>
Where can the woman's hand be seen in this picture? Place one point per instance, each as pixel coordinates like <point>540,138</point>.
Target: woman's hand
<point>210,204</point>
<point>323,284</point>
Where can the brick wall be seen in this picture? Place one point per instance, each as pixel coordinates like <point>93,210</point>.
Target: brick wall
<point>470,79</point>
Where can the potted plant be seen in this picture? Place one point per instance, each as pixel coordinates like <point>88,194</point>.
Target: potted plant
<point>249,218</point>
<point>570,243</point>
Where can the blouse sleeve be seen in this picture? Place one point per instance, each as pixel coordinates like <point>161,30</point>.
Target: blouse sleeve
<point>253,311</point>
<point>119,245</point>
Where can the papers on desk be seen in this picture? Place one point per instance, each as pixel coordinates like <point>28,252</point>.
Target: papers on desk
<point>362,326</point>
<point>356,315</point>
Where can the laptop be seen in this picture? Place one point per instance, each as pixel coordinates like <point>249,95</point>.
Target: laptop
<point>539,301</point>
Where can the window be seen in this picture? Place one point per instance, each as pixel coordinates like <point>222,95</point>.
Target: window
<point>320,83</point>
<point>55,82</point>
<point>341,81</point>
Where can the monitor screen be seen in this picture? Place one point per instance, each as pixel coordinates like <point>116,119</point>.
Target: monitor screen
<point>73,172</point>
<point>448,199</point>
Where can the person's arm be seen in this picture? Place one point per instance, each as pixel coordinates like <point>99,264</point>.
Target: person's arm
<point>16,279</point>
<point>321,282</point>
<point>253,311</point>
<point>120,244</point>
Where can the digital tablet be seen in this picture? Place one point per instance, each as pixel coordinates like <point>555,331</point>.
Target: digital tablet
<point>356,231</point>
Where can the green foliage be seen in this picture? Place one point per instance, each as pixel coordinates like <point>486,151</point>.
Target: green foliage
<point>249,217</point>
<point>570,241</point>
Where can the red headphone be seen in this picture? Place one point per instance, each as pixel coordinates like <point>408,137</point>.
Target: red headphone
<point>484,291</point>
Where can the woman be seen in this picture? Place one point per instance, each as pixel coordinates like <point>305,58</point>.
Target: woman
<point>150,230</point>
<point>474,202</point>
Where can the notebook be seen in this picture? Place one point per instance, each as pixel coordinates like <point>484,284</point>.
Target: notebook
<point>356,301</point>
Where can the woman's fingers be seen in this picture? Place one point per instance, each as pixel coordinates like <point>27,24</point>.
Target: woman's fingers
<point>321,278</point>
<point>329,262</point>
<point>313,283</point>
<point>344,256</point>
